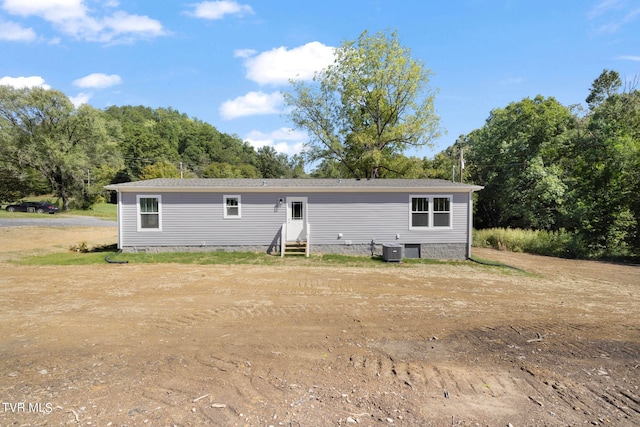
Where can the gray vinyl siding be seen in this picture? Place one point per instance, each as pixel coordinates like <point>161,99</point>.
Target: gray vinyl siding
<point>380,217</point>
<point>196,218</point>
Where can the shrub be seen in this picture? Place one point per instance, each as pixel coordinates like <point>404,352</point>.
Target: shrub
<point>552,243</point>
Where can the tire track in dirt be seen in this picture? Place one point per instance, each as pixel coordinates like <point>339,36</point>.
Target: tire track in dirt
<point>572,380</point>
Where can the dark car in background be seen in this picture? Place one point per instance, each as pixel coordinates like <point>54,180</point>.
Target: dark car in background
<point>37,207</point>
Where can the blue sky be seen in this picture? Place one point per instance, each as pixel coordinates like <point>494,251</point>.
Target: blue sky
<point>225,62</point>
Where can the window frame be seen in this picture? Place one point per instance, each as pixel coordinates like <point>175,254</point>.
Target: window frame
<point>434,212</point>
<point>226,197</point>
<point>411,212</point>
<point>431,213</point>
<point>140,213</point>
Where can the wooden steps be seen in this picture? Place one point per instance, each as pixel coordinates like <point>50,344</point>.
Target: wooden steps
<point>295,248</point>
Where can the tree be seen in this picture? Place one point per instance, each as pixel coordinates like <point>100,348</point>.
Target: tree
<point>41,130</point>
<point>226,170</point>
<point>606,170</point>
<point>162,169</point>
<point>371,104</point>
<point>272,164</point>
<point>16,184</point>
<point>607,83</point>
<point>164,134</point>
<point>520,156</point>
<point>446,164</point>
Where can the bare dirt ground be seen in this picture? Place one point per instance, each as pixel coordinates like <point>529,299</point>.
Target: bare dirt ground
<point>185,345</point>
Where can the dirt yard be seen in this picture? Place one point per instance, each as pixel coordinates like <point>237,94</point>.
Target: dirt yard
<point>444,345</point>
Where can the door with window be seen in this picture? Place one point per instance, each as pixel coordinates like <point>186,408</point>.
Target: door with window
<point>296,218</point>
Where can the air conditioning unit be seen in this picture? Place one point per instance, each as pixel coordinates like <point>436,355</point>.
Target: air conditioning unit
<point>392,252</point>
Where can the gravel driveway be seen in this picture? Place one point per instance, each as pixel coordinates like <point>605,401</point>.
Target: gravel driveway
<point>57,221</point>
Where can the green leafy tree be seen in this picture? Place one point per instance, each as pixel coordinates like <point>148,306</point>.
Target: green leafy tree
<point>161,169</point>
<point>272,164</point>
<point>370,105</point>
<point>446,164</point>
<point>16,184</point>
<point>606,170</point>
<point>166,135</point>
<point>296,164</point>
<point>41,130</point>
<point>330,168</point>
<point>518,156</point>
<point>227,170</point>
<point>607,84</point>
<point>141,144</point>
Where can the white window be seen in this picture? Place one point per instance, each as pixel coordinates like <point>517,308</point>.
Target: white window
<point>419,211</point>
<point>441,212</point>
<point>232,208</point>
<point>429,212</point>
<point>149,212</point>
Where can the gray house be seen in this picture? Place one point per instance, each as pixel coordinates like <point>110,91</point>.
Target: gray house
<point>428,218</point>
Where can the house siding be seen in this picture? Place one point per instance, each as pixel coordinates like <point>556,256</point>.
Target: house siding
<point>195,220</point>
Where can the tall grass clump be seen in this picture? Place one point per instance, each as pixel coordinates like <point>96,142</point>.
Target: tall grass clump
<point>540,242</point>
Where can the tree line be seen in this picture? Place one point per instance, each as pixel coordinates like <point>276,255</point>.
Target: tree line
<point>49,146</point>
<point>569,169</point>
<point>544,166</point>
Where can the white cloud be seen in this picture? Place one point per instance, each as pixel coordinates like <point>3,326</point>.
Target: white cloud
<point>283,140</point>
<point>74,18</point>
<point>98,80</point>
<point>11,31</point>
<point>629,58</point>
<point>24,82</point>
<point>50,10</point>
<point>279,65</point>
<point>218,9</point>
<point>81,98</point>
<point>121,23</point>
<point>244,53</point>
<point>253,103</point>
<point>603,7</point>
<point>611,15</point>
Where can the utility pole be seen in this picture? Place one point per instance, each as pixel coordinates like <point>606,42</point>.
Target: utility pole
<point>461,164</point>
<point>181,174</point>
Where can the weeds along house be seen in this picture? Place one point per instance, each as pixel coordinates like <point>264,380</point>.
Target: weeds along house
<point>429,218</point>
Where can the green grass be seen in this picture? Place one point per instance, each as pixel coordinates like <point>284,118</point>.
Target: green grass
<point>99,210</point>
<point>5,214</point>
<point>97,256</point>
<point>65,258</point>
<point>539,242</point>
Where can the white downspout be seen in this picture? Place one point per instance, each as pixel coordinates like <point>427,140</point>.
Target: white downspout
<point>118,219</point>
<point>470,224</point>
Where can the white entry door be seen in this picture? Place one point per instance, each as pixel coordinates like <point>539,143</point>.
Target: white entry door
<point>296,218</point>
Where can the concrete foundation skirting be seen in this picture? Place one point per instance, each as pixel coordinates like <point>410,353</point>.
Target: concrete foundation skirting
<point>427,250</point>
<point>454,251</point>
<point>444,251</point>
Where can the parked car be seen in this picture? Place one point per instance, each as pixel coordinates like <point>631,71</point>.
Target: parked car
<point>37,207</point>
